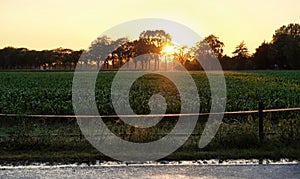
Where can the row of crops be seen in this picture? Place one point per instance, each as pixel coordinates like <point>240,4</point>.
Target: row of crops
<point>51,92</point>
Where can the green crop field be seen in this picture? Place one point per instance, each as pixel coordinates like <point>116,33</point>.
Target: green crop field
<point>51,93</point>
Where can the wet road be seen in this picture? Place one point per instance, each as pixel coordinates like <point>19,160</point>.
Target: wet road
<point>155,171</point>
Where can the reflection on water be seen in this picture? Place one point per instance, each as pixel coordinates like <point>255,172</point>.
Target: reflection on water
<point>154,170</point>
<point>150,163</point>
<point>164,169</point>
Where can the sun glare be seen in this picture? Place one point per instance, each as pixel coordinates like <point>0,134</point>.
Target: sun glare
<point>168,49</point>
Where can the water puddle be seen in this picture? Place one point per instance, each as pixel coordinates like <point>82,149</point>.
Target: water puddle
<point>47,165</point>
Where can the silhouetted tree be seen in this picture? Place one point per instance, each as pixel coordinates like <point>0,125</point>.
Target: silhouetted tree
<point>286,46</point>
<point>241,57</point>
<point>150,42</point>
<point>156,37</point>
<point>282,52</point>
<point>183,54</point>
<point>262,58</point>
<point>207,50</point>
<point>241,51</point>
<point>215,44</point>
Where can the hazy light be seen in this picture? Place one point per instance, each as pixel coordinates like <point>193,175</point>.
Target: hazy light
<point>44,25</point>
<point>168,49</point>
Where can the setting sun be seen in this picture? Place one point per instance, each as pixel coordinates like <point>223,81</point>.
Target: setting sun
<point>168,49</point>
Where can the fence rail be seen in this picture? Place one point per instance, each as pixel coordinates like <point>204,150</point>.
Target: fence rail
<point>146,115</point>
<point>260,113</point>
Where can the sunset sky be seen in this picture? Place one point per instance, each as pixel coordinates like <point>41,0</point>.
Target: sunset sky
<point>41,24</point>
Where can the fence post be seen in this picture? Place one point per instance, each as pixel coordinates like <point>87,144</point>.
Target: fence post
<point>260,121</point>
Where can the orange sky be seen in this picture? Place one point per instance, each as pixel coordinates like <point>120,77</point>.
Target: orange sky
<point>40,24</point>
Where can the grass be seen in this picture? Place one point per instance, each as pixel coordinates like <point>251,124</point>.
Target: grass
<point>237,138</point>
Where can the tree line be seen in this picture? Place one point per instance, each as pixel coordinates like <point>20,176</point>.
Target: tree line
<point>23,58</point>
<point>283,52</point>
